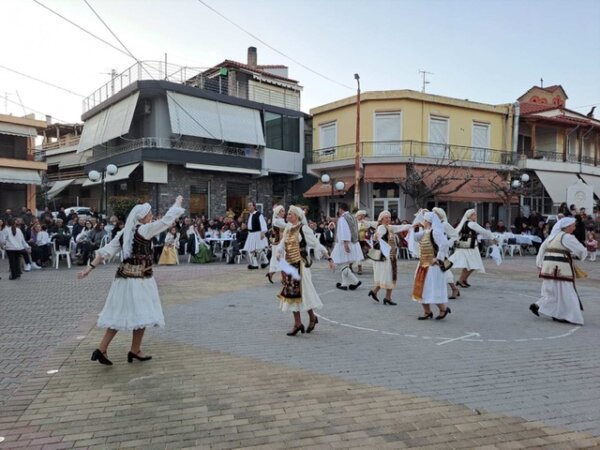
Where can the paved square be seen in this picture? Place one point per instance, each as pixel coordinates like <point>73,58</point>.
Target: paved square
<point>224,375</point>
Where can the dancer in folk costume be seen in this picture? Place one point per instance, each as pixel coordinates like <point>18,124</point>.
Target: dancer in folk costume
<point>133,302</point>
<point>452,236</point>
<point>298,293</point>
<point>347,249</point>
<point>385,272</point>
<point>364,234</point>
<point>430,281</point>
<point>277,226</point>
<point>559,298</point>
<point>466,256</point>
<point>256,243</point>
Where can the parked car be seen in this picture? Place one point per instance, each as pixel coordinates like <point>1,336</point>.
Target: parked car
<point>80,210</point>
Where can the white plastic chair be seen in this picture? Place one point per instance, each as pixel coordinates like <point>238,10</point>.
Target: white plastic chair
<point>511,249</point>
<point>57,252</point>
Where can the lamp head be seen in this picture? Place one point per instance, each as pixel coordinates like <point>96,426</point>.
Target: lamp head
<point>524,178</point>
<point>94,175</point>
<point>340,185</point>
<point>325,178</point>
<point>356,77</point>
<point>516,184</point>
<point>111,169</point>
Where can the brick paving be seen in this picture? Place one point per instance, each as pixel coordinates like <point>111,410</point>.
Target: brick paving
<point>226,376</point>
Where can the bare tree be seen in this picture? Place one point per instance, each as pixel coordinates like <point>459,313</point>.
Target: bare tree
<point>424,182</point>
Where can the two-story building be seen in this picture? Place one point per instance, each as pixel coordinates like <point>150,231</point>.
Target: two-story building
<point>20,174</point>
<point>220,137</point>
<point>450,146</point>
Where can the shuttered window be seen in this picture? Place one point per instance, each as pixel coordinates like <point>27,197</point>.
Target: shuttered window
<point>481,141</point>
<point>438,137</point>
<point>387,133</point>
<point>328,135</point>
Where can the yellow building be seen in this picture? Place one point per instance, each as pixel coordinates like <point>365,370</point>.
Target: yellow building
<point>444,149</point>
<point>19,172</point>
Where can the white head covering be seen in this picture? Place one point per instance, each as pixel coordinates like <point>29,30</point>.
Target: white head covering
<point>383,214</point>
<point>133,219</point>
<point>441,214</point>
<point>298,213</point>
<point>277,210</point>
<point>360,212</point>
<point>560,225</point>
<point>464,219</point>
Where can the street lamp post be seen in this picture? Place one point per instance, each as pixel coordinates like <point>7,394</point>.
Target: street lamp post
<point>338,185</point>
<point>96,176</point>
<point>515,188</point>
<point>357,149</point>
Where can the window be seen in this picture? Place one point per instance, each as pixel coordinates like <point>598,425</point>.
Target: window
<point>282,132</point>
<point>199,199</point>
<point>481,141</point>
<point>387,133</point>
<point>237,196</point>
<point>328,135</point>
<point>438,137</point>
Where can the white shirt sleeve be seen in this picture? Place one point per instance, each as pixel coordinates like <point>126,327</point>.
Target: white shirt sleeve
<point>312,241</point>
<point>575,246</point>
<point>279,222</point>
<point>112,248</point>
<point>263,224</point>
<point>418,235</point>
<point>442,242</point>
<point>480,230</point>
<point>149,230</point>
<point>343,231</point>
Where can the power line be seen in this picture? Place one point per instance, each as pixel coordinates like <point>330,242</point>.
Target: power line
<point>273,48</point>
<point>34,110</point>
<point>41,81</point>
<point>585,106</point>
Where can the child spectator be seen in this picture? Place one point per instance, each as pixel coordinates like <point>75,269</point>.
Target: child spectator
<point>592,245</point>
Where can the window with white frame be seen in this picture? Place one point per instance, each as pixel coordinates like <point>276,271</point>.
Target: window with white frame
<point>387,133</point>
<point>481,141</point>
<point>438,137</point>
<point>328,136</point>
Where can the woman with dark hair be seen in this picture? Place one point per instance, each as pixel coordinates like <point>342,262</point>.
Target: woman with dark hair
<point>13,241</point>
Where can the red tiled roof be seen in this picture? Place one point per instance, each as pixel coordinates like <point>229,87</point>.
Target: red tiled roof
<point>567,120</point>
<point>235,64</point>
<point>532,108</point>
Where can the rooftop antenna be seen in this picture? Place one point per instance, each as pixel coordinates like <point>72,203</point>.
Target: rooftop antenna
<point>21,102</point>
<point>113,76</point>
<point>424,74</point>
<point>541,82</point>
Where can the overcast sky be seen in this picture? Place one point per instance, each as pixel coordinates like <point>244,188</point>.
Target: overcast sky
<point>489,51</point>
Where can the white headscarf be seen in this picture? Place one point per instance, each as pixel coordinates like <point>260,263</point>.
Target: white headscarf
<point>360,212</point>
<point>464,219</point>
<point>441,214</point>
<point>133,220</point>
<point>383,214</point>
<point>437,229</point>
<point>560,225</point>
<point>277,210</point>
<point>298,213</point>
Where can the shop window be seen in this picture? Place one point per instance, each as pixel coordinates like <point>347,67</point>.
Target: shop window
<point>237,196</point>
<point>199,199</point>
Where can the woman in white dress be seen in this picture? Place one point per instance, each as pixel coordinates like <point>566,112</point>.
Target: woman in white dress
<point>452,236</point>
<point>559,298</point>
<point>466,256</point>
<point>430,281</point>
<point>133,302</point>
<point>299,295</point>
<point>385,272</point>
<point>277,227</point>
<point>168,255</point>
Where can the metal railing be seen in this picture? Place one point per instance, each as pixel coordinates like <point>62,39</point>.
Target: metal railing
<point>544,155</point>
<point>411,150</point>
<point>177,144</point>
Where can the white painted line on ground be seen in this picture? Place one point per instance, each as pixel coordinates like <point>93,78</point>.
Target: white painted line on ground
<point>52,372</point>
<point>473,334</point>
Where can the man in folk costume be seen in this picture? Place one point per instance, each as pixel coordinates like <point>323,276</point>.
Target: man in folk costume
<point>364,228</point>
<point>559,298</point>
<point>452,236</point>
<point>277,226</point>
<point>347,248</point>
<point>256,243</point>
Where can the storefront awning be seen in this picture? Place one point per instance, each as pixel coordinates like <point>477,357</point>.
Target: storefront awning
<point>122,174</point>
<point>20,176</point>
<point>222,168</point>
<point>556,184</point>
<point>384,173</point>
<point>17,130</point>
<point>593,181</point>
<point>58,187</point>
<point>321,189</point>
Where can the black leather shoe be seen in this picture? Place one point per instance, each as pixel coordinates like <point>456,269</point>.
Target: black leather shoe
<point>131,356</point>
<point>99,356</point>
<point>294,332</point>
<point>353,287</point>
<point>262,266</point>
<point>251,267</point>
<point>534,309</point>
<point>311,325</point>
<point>339,286</point>
<point>387,301</point>
<point>428,316</point>
<point>373,295</point>
<point>268,275</point>
<point>444,314</point>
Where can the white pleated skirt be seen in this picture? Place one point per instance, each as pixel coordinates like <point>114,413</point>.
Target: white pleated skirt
<point>273,263</point>
<point>254,242</point>
<point>132,303</point>
<point>467,258</point>
<point>434,289</point>
<point>382,274</point>
<point>559,299</point>
<point>340,256</point>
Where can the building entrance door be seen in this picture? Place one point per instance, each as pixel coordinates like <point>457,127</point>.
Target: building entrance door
<point>382,204</point>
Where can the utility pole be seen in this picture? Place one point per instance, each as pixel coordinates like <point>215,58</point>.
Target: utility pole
<point>424,74</point>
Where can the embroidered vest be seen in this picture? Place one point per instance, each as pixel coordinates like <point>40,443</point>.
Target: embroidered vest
<point>292,245</point>
<point>353,225</point>
<point>557,264</point>
<point>390,237</point>
<point>139,263</point>
<point>255,222</point>
<point>467,238</point>
<point>426,249</point>
<point>275,235</point>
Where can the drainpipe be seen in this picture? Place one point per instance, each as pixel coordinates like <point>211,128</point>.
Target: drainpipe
<point>516,116</point>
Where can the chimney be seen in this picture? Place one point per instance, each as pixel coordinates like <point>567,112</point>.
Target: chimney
<point>48,120</point>
<point>252,57</point>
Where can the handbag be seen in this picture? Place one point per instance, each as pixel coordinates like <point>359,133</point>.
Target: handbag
<point>375,253</point>
<point>445,265</point>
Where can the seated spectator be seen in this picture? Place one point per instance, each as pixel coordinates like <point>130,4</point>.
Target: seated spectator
<point>169,251</point>
<point>40,246</point>
<point>158,243</point>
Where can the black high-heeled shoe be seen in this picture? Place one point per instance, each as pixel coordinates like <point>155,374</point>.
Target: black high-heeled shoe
<point>131,356</point>
<point>387,301</point>
<point>97,355</point>
<point>294,332</point>
<point>462,284</point>
<point>311,325</point>
<point>269,275</point>
<point>428,316</point>
<point>444,314</point>
<point>373,295</point>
